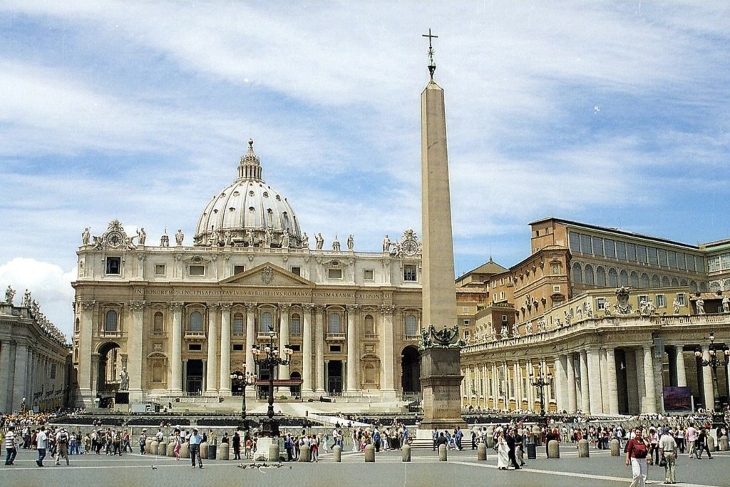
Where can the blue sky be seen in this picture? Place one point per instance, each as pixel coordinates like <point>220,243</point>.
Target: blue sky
<point>609,113</point>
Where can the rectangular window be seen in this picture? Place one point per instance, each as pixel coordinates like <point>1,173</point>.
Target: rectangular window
<point>238,325</point>
<point>334,273</point>
<point>631,252</point>
<point>662,257</point>
<point>713,263</point>
<point>195,347</point>
<point>296,270</point>
<point>556,289</point>
<point>585,244</point>
<point>681,299</point>
<point>238,347</point>
<point>610,247</point>
<point>409,273</point>
<point>53,371</point>
<point>699,264</point>
<point>641,254</point>
<point>296,348</point>
<point>597,246</point>
<point>672,257</point>
<point>466,322</point>
<point>653,257</point>
<point>197,270</point>
<point>601,304</point>
<point>368,275</point>
<point>621,250</point>
<point>574,242</point>
<point>160,269</point>
<point>114,265</point>
<point>690,263</point>
<point>681,261</point>
<point>335,348</point>
<point>504,318</point>
<point>237,269</point>
<point>725,261</point>
<point>661,302</point>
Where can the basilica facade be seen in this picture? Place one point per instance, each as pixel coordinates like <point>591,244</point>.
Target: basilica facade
<point>167,319</point>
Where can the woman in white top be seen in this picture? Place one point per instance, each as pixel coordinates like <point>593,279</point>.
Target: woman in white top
<point>502,451</point>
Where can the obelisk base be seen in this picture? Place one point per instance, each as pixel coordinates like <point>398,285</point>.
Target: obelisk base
<point>441,384</point>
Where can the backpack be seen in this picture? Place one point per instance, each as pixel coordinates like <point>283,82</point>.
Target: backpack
<point>63,438</point>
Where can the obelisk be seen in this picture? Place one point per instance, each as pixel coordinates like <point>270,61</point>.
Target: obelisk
<point>440,362</point>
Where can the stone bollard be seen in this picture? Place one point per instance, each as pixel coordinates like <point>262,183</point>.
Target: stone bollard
<point>185,450</point>
<point>162,448</point>
<point>481,451</point>
<point>274,452</point>
<point>171,449</point>
<point>303,454</point>
<point>337,453</point>
<point>443,455</point>
<point>369,453</point>
<point>490,437</point>
<point>148,445</point>
<point>615,448</point>
<point>224,451</point>
<point>710,443</point>
<point>406,453</point>
<point>204,450</point>
<point>537,435</point>
<point>583,450</point>
<point>153,447</point>
<point>553,449</point>
<point>723,443</point>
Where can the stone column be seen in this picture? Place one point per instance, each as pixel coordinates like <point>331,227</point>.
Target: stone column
<point>319,349</point>
<point>584,380</point>
<point>560,386</point>
<point>679,362</point>
<point>572,400</point>
<point>517,389</point>
<point>387,347</point>
<point>283,342</point>
<point>176,352</point>
<point>307,350</point>
<point>612,381</point>
<point>6,376</point>
<point>708,395</point>
<point>633,363</point>
<point>136,359</point>
<point>594,373</point>
<point>211,389</point>
<point>352,361</point>
<point>250,336</point>
<point>87,389</point>
<point>225,367</point>
<point>649,381</point>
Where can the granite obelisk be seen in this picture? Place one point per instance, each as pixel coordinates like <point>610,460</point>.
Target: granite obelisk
<point>440,345</point>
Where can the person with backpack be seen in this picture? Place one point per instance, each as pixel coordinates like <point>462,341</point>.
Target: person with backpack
<point>62,439</point>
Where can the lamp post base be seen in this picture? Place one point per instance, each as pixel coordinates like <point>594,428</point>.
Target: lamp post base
<point>269,427</point>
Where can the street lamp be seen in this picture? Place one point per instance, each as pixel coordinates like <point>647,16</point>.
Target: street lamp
<point>244,379</point>
<point>714,362</point>
<point>267,355</point>
<point>540,381</point>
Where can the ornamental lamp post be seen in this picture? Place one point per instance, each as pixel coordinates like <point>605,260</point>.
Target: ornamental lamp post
<point>540,381</point>
<point>267,356</point>
<point>244,379</point>
<point>714,362</point>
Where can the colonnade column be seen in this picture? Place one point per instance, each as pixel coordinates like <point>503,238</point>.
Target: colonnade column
<point>319,349</point>
<point>176,352</point>
<point>572,400</point>
<point>20,376</point>
<point>649,381</point>
<point>87,389</point>
<point>708,395</point>
<point>352,361</point>
<point>210,382</point>
<point>250,337</point>
<point>594,391</point>
<point>386,363</point>
<point>679,363</point>
<point>560,386</point>
<point>6,377</point>
<point>612,381</point>
<point>225,368</point>
<point>283,342</point>
<point>135,360</point>
<point>584,387</point>
<point>307,349</point>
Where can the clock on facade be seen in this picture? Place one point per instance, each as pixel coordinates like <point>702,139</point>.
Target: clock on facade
<point>410,246</point>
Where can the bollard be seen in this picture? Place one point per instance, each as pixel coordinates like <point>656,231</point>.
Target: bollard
<point>212,451</point>
<point>583,451</point>
<point>537,435</point>
<point>153,447</point>
<point>490,437</point>
<point>553,449</point>
<point>171,449</point>
<point>274,452</point>
<point>224,453</point>
<point>337,453</point>
<point>615,448</point>
<point>710,443</point>
<point>369,453</point>
<point>481,451</point>
<point>204,450</point>
<point>185,450</point>
<point>723,443</point>
<point>406,453</point>
<point>443,456</point>
<point>162,448</point>
<point>303,454</point>
<point>148,445</point>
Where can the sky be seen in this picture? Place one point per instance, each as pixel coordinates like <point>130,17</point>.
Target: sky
<point>610,113</point>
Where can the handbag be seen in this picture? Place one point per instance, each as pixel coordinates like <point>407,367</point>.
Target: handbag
<point>663,462</point>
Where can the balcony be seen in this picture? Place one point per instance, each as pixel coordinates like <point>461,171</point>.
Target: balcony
<point>194,335</point>
<point>111,333</point>
<point>335,337</point>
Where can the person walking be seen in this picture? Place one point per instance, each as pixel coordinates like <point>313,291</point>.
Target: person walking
<point>636,452</point>
<point>512,446</point>
<point>236,443</point>
<point>11,446</point>
<point>62,439</point>
<point>668,451</point>
<point>195,441</point>
<point>42,443</point>
<point>502,451</point>
<point>702,444</point>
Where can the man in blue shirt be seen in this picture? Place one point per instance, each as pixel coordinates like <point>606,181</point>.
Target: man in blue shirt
<point>195,440</point>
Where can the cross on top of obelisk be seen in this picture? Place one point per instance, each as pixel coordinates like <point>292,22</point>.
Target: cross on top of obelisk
<point>432,65</point>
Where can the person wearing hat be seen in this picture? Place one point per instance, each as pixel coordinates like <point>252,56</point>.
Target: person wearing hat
<point>142,441</point>
<point>194,446</point>
<point>668,452</point>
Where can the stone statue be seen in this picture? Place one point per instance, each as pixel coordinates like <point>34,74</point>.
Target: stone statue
<point>214,237</point>
<point>646,308</point>
<point>726,304</point>
<point>35,308</point>
<point>445,338</point>
<point>249,237</point>
<point>85,236</point>
<point>228,238</point>
<point>27,299</point>
<point>700,305</point>
<point>676,306</point>
<point>285,240</point>
<point>319,241</point>
<point>350,242</point>
<point>397,249</point>
<point>336,244</point>
<point>305,241</point>
<point>267,238</point>
<point>124,380</point>
<point>567,318</point>
<point>179,237</point>
<point>541,324</point>
<point>142,236</point>
<point>9,295</point>
<point>588,309</point>
<point>386,244</point>
<point>607,307</point>
<point>164,240</point>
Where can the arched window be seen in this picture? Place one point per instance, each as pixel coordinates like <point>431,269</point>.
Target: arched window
<point>703,287</point>
<point>634,279</point>
<point>238,324</point>
<point>692,286</point>
<point>295,325</point>
<point>577,273</point>
<point>196,322</point>
<point>675,282</point>
<point>267,322</point>
<point>334,324</point>
<point>612,278</point>
<point>624,278</point>
<point>111,321</point>
<point>644,280</point>
<point>655,281</point>
<point>588,273</point>
<point>411,326</point>
<point>601,276</point>
<point>157,324</point>
<point>369,325</point>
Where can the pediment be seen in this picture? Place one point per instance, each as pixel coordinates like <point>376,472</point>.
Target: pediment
<point>267,275</point>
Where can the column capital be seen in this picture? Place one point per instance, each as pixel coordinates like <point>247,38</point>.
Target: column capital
<point>87,305</point>
<point>250,306</point>
<point>307,306</point>
<point>319,308</point>
<point>351,308</point>
<point>213,306</point>
<point>137,305</point>
<point>387,309</point>
<point>176,305</point>
<point>225,306</point>
<point>284,306</point>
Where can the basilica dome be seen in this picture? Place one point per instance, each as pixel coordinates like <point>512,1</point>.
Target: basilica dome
<point>248,213</point>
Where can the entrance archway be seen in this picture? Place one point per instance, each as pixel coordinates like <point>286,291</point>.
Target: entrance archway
<point>334,377</point>
<point>107,373</point>
<point>411,370</point>
<point>194,377</point>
